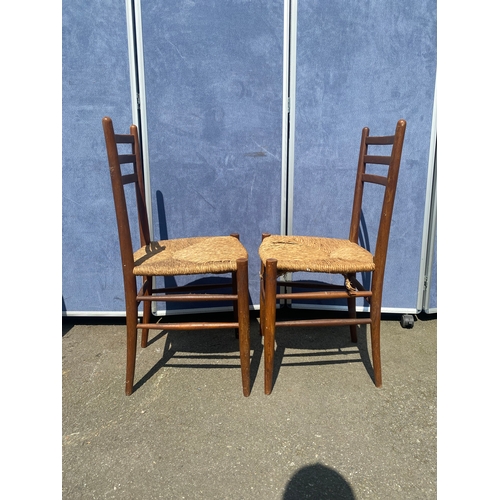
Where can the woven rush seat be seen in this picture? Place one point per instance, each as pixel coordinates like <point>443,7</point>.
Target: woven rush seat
<point>315,254</point>
<point>198,255</point>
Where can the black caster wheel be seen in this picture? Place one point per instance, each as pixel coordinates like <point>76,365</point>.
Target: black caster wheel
<point>407,321</point>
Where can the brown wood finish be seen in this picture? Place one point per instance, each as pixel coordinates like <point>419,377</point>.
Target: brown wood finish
<point>147,294</point>
<point>270,282</point>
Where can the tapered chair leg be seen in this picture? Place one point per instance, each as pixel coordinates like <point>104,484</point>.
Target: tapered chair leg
<point>131,350</point>
<point>243,322</point>
<point>270,283</point>
<point>375,340</point>
<point>262,301</point>
<point>375,316</point>
<point>132,310</point>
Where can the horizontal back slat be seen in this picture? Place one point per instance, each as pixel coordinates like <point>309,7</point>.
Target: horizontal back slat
<point>375,179</point>
<point>128,178</point>
<point>387,140</point>
<point>379,160</point>
<point>126,159</point>
<point>124,138</point>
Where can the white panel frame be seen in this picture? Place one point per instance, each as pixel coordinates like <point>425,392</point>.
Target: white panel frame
<point>288,127</point>
<point>430,221</point>
<point>138,102</point>
<point>138,93</point>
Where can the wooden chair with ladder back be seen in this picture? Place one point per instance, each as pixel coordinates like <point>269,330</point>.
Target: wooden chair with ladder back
<point>210,255</point>
<point>281,255</point>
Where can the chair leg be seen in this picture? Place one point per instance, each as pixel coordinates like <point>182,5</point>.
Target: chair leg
<point>270,283</point>
<point>262,301</point>
<point>375,339</point>
<point>243,322</point>
<point>375,315</point>
<point>132,310</point>
<point>131,352</point>
<point>146,317</point>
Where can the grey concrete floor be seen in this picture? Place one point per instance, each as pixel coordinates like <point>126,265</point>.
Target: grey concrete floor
<point>187,432</point>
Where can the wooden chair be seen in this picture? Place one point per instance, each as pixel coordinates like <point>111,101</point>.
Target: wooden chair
<point>183,256</point>
<point>281,255</point>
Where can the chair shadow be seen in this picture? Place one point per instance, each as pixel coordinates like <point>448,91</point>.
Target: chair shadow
<point>332,342</point>
<point>201,349</point>
<point>318,482</point>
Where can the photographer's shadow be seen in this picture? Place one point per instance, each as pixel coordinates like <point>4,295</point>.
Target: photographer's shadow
<point>317,482</point>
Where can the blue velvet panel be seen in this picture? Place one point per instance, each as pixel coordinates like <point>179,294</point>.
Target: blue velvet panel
<point>95,83</point>
<point>359,64</point>
<point>213,72</point>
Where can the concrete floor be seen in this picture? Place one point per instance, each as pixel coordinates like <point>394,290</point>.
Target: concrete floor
<point>187,432</point>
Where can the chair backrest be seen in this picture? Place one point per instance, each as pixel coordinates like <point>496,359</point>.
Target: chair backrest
<point>118,179</point>
<point>389,181</point>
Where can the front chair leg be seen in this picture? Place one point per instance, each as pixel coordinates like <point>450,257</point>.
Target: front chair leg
<point>262,300</point>
<point>262,316</point>
<point>131,348</point>
<point>375,316</point>
<point>270,322</point>
<point>132,313</point>
<point>243,322</point>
